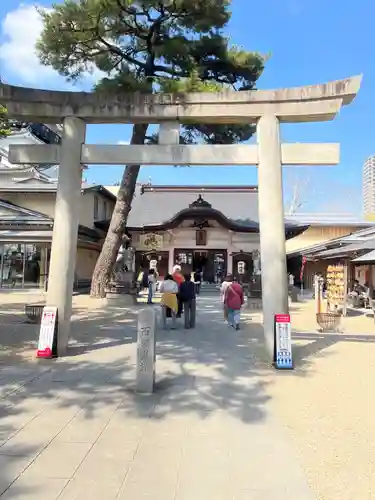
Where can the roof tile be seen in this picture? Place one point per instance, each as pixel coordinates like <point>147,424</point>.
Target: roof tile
<point>155,207</point>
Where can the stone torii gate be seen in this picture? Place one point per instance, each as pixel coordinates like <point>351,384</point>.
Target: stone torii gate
<point>265,108</point>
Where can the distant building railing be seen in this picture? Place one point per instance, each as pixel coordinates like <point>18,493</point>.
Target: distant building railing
<point>39,130</point>
<point>44,133</point>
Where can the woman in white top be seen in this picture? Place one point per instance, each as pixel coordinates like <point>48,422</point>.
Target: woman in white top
<point>169,290</point>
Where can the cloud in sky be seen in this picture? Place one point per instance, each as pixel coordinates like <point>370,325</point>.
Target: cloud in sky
<point>20,30</point>
<point>123,143</point>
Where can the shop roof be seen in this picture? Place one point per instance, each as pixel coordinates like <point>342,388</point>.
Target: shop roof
<point>358,241</point>
<point>16,221</point>
<point>322,220</point>
<point>98,188</point>
<point>347,249</point>
<point>367,258</point>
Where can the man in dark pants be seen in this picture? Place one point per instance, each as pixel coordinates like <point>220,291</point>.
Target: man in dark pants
<point>187,295</point>
<point>198,281</point>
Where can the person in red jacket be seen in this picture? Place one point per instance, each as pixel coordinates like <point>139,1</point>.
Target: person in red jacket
<point>179,279</point>
<point>233,300</point>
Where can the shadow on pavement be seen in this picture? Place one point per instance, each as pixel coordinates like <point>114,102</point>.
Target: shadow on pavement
<point>210,368</point>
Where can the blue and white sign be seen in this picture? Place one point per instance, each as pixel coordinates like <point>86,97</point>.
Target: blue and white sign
<point>283,335</point>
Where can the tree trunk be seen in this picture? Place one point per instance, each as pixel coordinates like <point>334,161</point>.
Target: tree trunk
<point>107,258</point>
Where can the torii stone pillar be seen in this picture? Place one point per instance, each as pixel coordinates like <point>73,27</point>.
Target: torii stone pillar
<point>265,108</point>
<point>272,227</point>
<point>65,227</point>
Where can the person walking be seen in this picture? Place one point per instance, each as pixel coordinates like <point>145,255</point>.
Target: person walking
<point>179,279</point>
<point>291,280</point>
<point>169,305</point>
<point>228,280</point>
<point>234,299</point>
<point>187,296</point>
<point>151,285</point>
<point>144,279</point>
<point>197,281</point>
<point>177,275</point>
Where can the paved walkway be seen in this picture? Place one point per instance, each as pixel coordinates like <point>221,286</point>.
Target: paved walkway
<point>74,429</point>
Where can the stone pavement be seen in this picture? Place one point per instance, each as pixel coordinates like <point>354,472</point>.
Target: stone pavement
<point>73,428</point>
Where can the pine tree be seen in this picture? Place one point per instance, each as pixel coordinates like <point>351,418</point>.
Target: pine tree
<point>4,125</point>
<point>148,46</point>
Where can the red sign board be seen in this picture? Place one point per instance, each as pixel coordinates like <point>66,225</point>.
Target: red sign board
<point>282,318</point>
<point>47,343</point>
<point>283,342</point>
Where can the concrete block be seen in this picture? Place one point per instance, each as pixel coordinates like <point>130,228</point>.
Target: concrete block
<point>146,343</point>
<point>253,303</point>
<point>119,300</point>
<point>293,293</point>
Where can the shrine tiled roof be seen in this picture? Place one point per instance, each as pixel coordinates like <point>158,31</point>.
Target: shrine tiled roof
<point>158,204</point>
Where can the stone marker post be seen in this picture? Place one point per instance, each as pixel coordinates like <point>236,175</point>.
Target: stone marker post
<point>146,343</point>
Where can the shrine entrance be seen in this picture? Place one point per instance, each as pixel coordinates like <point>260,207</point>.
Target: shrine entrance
<point>200,260</point>
<point>212,263</point>
<point>266,109</point>
<point>152,260</point>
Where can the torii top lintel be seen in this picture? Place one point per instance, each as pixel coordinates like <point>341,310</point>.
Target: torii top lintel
<point>299,104</point>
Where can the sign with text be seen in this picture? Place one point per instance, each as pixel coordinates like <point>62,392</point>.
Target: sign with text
<point>283,342</point>
<point>145,370</point>
<point>47,344</point>
<point>151,241</point>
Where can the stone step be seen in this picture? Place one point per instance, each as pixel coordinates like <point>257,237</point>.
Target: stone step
<point>209,288</point>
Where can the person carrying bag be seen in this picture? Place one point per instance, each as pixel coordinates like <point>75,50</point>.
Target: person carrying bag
<point>233,300</point>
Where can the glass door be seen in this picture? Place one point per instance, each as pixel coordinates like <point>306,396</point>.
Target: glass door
<point>184,258</point>
<point>219,266</point>
<point>13,264</point>
<point>36,265</point>
<point>24,265</point>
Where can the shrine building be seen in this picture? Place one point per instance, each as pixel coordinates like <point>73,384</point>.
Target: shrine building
<point>211,228</point>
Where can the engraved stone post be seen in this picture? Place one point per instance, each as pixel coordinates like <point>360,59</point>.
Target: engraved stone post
<point>145,377</point>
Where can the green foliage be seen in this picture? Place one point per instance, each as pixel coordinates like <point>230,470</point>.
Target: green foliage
<point>4,126</point>
<point>152,46</point>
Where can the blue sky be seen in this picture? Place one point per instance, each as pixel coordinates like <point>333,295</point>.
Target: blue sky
<point>309,42</point>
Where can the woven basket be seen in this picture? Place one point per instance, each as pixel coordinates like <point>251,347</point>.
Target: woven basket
<point>328,321</point>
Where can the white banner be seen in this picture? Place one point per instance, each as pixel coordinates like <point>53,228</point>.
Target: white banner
<point>283,342</point>
<point>48,333</point>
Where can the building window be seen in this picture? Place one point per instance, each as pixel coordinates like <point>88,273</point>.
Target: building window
<point>105,211</point>
<point>96,207</point>
<point>24,265</point>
